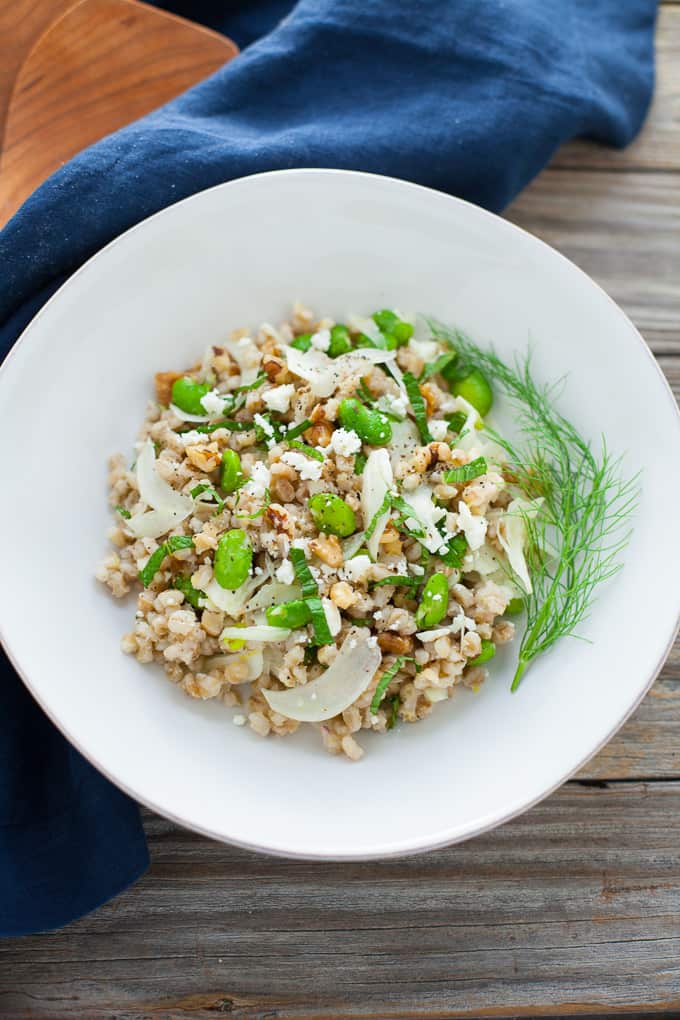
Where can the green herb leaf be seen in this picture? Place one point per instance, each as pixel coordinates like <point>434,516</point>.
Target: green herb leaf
<point>382,509</point>
<point>310,593</point>
<point>297,430</point>
<point>395,703</point>
<point>385,681</point>
<point>192,595</point>
<point>359,463</point>
<point>456,420</point>
<point>309,451</point>
<point>466,472</point>
<point>438,365</point>
<point>364,393</point>
<point>587,502</point>
<point>254,385</point>
<point>261,511</point>
<point>155,561</point>
<point>123,512</point>
<point>457,547</point>
<point>417,402</point>
<point>396,580</point>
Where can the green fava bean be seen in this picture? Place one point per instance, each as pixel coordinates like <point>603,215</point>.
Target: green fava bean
<point>332,514</point>
<point>231,472</point>
<point>187,393</point>
<point>289,614</point>
<point>488,651</point>
<point>302,342</point>
<point>372,426</point>
<point>476,390</point>
<point>434,602</point>
<point>233,559</point>
<point>514,607</point>
<point>340,341</point>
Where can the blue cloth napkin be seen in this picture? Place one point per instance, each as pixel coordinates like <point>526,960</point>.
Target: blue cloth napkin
<point>469,96</point>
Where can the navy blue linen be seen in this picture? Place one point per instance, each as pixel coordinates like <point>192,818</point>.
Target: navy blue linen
<point>469,96</point>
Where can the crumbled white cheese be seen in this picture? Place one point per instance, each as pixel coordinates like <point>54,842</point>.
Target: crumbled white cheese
<point>438,428</point>
<point>301,543</point>
<point>321,340</point>
<point>417,569</point>
<point>285,573</point>
<point>308,469</point>
<point>425,349</point>
<point>333,618</point>
<point>265,425</point>
<point>213,403</point>
<point>428,515</point>
<point>278,398</point>
<point>394,405</point>
<point>473,527</point>
<point>356,568</point>
<point>345,442</point>
<point>191,438</point>
<point>239,720</point>
<point>258,483</point>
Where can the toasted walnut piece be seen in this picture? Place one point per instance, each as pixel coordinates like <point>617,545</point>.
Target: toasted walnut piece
<point>396,644</point>
<point>203,458</point>
<point>282,489</point>
<point>280,519</point>
<point>343,595</point>
<point>275,369</point>
<point>317,413</point>
<point>430,398</point>
<point>203,541</point>
<point>328,549</point>
<point>319,434</point>
<point>164,381</point>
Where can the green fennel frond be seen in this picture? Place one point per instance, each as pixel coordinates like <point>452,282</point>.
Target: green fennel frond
<point>574,543</point>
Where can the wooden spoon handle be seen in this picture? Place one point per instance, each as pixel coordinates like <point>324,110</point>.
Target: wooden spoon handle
<point>99,66</point>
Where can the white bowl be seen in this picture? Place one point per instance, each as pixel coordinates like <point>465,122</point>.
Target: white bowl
<point>74,390</point>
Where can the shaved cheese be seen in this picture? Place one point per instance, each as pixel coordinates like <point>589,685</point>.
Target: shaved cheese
<point>428,514</point>
<point>252,658</point>
<point>335,690</point>
<point>332,614</point>
<point>273,594</point>
<point>185,416</point>
<point>325,374</point>
<point>377,480</point>
<point>512,535</point>
<point>261,633</point>
<point>168,507</point>
<point>233,603</point>
<point>248,357</point>
<point>405,440</point>
<point>474,528</point>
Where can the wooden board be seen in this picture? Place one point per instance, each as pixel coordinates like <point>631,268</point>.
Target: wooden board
<point>570,910</point>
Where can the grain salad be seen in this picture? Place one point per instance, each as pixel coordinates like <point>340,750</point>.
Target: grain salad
<point>318,529</point>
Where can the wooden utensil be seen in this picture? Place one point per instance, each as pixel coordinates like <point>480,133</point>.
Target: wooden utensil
<point>70,74</point>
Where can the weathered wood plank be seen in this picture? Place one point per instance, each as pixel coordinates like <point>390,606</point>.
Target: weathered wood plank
<point>623,230</point>
<point>569,910</point>
<point>657,147</point>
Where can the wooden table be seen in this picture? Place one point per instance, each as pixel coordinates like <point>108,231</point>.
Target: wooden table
<point>572,909</point>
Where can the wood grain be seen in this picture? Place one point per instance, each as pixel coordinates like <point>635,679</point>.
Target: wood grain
<point>569,910</point>
<point>657,147</point>
<point>624,231</point>
<point>101,65</point>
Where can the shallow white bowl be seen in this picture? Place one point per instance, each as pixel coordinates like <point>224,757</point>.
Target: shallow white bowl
<point>74,390</point>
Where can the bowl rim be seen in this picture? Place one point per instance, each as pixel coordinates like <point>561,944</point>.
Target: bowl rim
<point>410,846</point>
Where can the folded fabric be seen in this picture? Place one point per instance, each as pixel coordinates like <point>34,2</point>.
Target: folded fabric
<point>469,96</point>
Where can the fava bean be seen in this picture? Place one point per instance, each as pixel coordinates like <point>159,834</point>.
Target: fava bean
<point>332,514</point>
<point>340,341</point>
<point>289,614</point>
<point>391,325</point>
<point>187,393</point>
<point>370,425</point>
<point>302,342</point>
<point>231,472</point>
<point>488,651</point>
<point>514,607</point>
<point>475,389</point>
<point>434,601</point>
<point>233,559</point>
